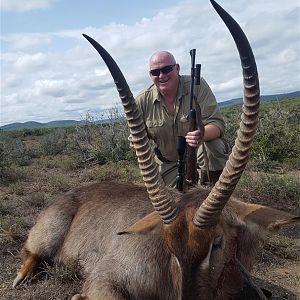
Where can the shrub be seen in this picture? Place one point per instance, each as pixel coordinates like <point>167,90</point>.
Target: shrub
<point>55,142</point>
<point>14,151</point>
<point>106,142</point>
<point>32,132</point>
<point>13,156</point>
<point>12,173</point>
<point>71,163</point>
<point>277,141</point>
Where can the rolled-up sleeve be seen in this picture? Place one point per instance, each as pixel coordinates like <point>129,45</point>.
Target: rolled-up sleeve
<point>209,107</point>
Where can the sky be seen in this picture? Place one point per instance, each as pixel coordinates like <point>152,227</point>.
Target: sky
<point>50,72</point>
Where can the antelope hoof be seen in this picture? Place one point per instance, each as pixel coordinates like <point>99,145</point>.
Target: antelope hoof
<point>18,280</point>
<point>79,297</point>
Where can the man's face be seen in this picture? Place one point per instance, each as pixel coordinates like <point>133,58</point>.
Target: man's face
<point>164,73</point>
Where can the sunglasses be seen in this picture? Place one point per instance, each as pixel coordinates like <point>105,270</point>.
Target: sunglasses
<point>164,70</point>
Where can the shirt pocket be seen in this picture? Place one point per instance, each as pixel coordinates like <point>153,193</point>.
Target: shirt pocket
<point>155,129</point>
<point>183,125</point>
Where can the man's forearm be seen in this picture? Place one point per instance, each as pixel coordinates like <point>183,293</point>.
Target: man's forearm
<point>211,132</point>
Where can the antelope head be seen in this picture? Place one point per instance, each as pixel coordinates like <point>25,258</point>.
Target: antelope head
<point>204,237</point>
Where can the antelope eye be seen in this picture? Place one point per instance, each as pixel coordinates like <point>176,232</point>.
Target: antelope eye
<point>217,242</point>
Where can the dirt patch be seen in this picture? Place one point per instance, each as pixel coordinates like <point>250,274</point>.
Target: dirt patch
<point>278,268</point>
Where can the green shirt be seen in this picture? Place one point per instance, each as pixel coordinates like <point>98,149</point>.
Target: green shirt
<point>164,127</point>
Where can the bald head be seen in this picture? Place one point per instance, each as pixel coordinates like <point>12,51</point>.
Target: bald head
<point>166,75</point>
<point>161,57</point>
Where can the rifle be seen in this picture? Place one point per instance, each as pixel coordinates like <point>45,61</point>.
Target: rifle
<point>180,163</point>
<point>195,121</point>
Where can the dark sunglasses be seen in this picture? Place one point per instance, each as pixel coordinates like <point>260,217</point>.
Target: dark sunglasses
<point>164,70</point>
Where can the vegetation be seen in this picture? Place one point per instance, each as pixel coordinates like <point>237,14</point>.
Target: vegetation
<point>276,147</point>
<point>36,164</point>
<point>277,142</point>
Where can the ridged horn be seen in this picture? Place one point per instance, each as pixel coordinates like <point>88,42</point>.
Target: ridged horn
<point>158,193</point>
<point>209,212</point>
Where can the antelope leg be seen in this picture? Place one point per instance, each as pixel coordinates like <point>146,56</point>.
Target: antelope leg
<point>28,268</point>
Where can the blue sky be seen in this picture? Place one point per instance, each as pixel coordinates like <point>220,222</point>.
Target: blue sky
<point>50,15</point>
<point>50,72</point>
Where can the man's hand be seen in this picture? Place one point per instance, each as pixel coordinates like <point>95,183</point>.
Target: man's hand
<point>194,138</point>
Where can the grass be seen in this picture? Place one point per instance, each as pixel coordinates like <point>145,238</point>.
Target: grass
<point>17,188</point>
<point>62,273</point>
<point>58,183</point>
<point>283,247</point>
<point>121,171</point>
<point>32,182</point>
<point>71,163</point>
<point>12,229</point>
<point>36,199</point>
<point>277,190</point>
<point>13,173</point>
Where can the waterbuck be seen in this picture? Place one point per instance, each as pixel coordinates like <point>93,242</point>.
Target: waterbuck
<point>198,244</point>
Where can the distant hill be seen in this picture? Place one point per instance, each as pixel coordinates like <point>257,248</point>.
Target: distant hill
<point>68,123</point>
<point>236,101</point>
<point>52,124</point>
<point>33,124</point>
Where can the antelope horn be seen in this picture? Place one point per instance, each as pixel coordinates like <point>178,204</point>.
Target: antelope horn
<point>209,212</point>
<point>158,193</point>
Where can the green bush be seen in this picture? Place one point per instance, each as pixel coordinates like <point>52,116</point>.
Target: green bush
<point>102,143</point>
<point>14,151</point>
<point>13,155</point>
<point>56,142</point>
<point>20,133</point>
<point>32,132</point>
<point>71,163</point>
<point>277,141</point>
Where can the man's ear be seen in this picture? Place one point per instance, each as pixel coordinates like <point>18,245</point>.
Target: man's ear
<point>144,225</point>
<point>265,217</point>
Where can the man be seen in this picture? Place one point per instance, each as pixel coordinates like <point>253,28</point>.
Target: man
<point>165,109</point>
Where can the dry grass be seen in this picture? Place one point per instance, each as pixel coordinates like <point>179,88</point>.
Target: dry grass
<point>21,201</point>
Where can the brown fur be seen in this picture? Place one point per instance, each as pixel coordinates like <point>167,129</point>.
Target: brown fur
<point>154,261</point>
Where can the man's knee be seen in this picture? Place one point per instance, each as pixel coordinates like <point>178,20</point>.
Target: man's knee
<point>217,147</point>
<point>216,152</point>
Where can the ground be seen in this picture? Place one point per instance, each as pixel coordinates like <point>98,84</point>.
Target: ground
<point>277,267</point>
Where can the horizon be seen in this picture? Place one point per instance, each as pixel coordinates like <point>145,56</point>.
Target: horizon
<point>282,96</point>
<point>49,71</point>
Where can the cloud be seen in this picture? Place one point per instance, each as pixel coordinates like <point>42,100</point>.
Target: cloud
<point>29,63</point>
<point>22,6</point>
<point>43,80</point>
<point>27,42</point>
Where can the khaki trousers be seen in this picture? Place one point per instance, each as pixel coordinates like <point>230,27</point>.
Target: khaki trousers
<point>217,153</point>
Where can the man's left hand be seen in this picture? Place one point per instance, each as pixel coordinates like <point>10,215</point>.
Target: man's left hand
<point>194,138</point>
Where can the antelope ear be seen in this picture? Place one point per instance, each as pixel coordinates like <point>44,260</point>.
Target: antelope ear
<point>263,216</point>
<point>144,225</point>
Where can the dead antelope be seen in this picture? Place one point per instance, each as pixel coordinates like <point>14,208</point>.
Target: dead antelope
<point>195,245</point>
